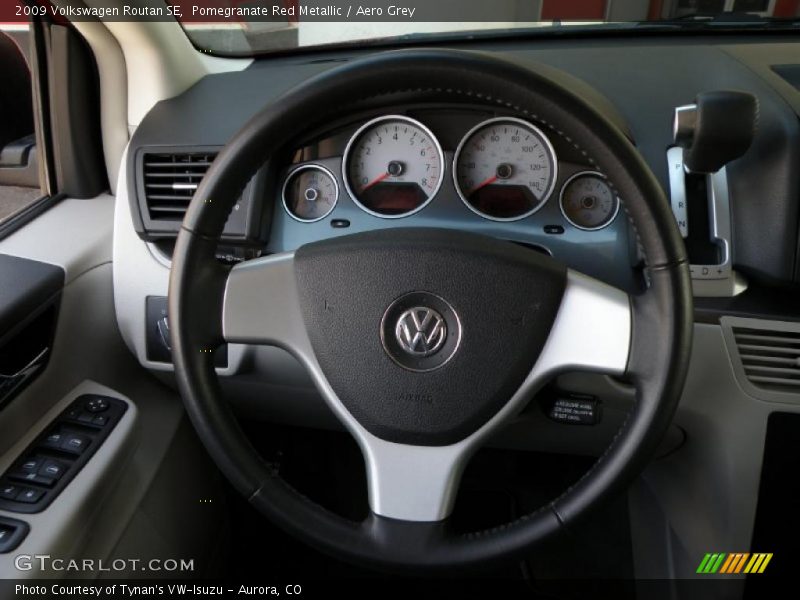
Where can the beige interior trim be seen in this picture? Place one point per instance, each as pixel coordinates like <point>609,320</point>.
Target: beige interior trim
<point>113,91</point>
<point>161,62</point>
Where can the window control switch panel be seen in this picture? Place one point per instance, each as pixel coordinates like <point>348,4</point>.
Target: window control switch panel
<point>35,479</point>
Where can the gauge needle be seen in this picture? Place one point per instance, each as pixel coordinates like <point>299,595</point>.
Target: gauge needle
<point>378,179</point>
<point>483,183</point>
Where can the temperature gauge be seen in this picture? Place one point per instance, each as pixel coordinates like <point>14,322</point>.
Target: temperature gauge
<point>310,193</point>
<point>588,202</point>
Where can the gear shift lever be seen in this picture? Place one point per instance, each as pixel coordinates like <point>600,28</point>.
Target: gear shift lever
<point>718,128</point>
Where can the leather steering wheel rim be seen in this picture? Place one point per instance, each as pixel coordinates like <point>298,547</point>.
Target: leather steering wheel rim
<point>661,316</point>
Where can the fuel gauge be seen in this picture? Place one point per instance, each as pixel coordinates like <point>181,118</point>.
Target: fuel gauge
<point>310,193</point>
<point>588,202</point>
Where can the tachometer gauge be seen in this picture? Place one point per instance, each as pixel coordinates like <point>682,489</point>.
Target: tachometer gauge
<point>588,202</point>
<point>310,193</point>
<point>505,169</point>
<point>393,166</point>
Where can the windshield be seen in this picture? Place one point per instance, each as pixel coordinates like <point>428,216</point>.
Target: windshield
<point>248,27</point>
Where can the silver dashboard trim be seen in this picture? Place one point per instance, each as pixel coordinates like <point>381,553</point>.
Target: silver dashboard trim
<point>718,280</point>
<point>684,123</point>
<point>677,188</point>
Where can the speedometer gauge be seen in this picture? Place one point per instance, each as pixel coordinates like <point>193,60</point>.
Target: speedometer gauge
<point>588,202</point>
<point>505,169</point>
<point>393,166</point>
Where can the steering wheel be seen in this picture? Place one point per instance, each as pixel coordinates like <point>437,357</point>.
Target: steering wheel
<point>499,321</point>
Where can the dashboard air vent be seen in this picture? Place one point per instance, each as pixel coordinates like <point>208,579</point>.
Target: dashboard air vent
<point>770,359</point>
<point>170,180</point>
<point>165,179</point>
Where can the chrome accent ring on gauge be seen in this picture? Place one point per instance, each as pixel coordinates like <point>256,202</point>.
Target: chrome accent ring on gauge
<point>609,216</point>
<point>545,153</point>
<point>297,172</point>
<point>410,175</point>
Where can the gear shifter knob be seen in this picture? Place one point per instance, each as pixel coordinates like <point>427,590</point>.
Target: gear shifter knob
<point>718,128</point>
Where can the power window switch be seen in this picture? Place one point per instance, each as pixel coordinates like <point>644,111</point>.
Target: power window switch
<point>53,440</point>
<point>28,470</point>
<point>86,417</point>
<point>29,495</point>
<point>100,420</point>
<point>53,469</point>
<point>9,491</point>
<point>74,443</point>
<point>30,465</point>
<point>32,478</point>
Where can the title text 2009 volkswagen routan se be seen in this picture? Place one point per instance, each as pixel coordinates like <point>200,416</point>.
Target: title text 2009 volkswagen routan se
<point>434,298</point>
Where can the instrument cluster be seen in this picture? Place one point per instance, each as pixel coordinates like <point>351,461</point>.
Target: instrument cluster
<point>503,169</point>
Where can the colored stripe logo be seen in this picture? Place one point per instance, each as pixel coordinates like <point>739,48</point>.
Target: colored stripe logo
<point>735,563</point>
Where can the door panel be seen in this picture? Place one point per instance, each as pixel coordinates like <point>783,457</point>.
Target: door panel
<point>28,311</point>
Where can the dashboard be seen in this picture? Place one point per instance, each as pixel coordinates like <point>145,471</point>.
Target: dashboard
<point>352,175</point>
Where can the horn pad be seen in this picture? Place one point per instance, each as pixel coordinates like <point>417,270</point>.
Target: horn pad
<point>424,334</point>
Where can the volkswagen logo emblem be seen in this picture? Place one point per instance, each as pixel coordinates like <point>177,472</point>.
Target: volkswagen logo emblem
<point>421,331</point>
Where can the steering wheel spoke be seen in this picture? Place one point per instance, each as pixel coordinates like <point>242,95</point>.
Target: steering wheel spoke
<point>592,330</point>
<point>412,483</point>
<point>261,305</point>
